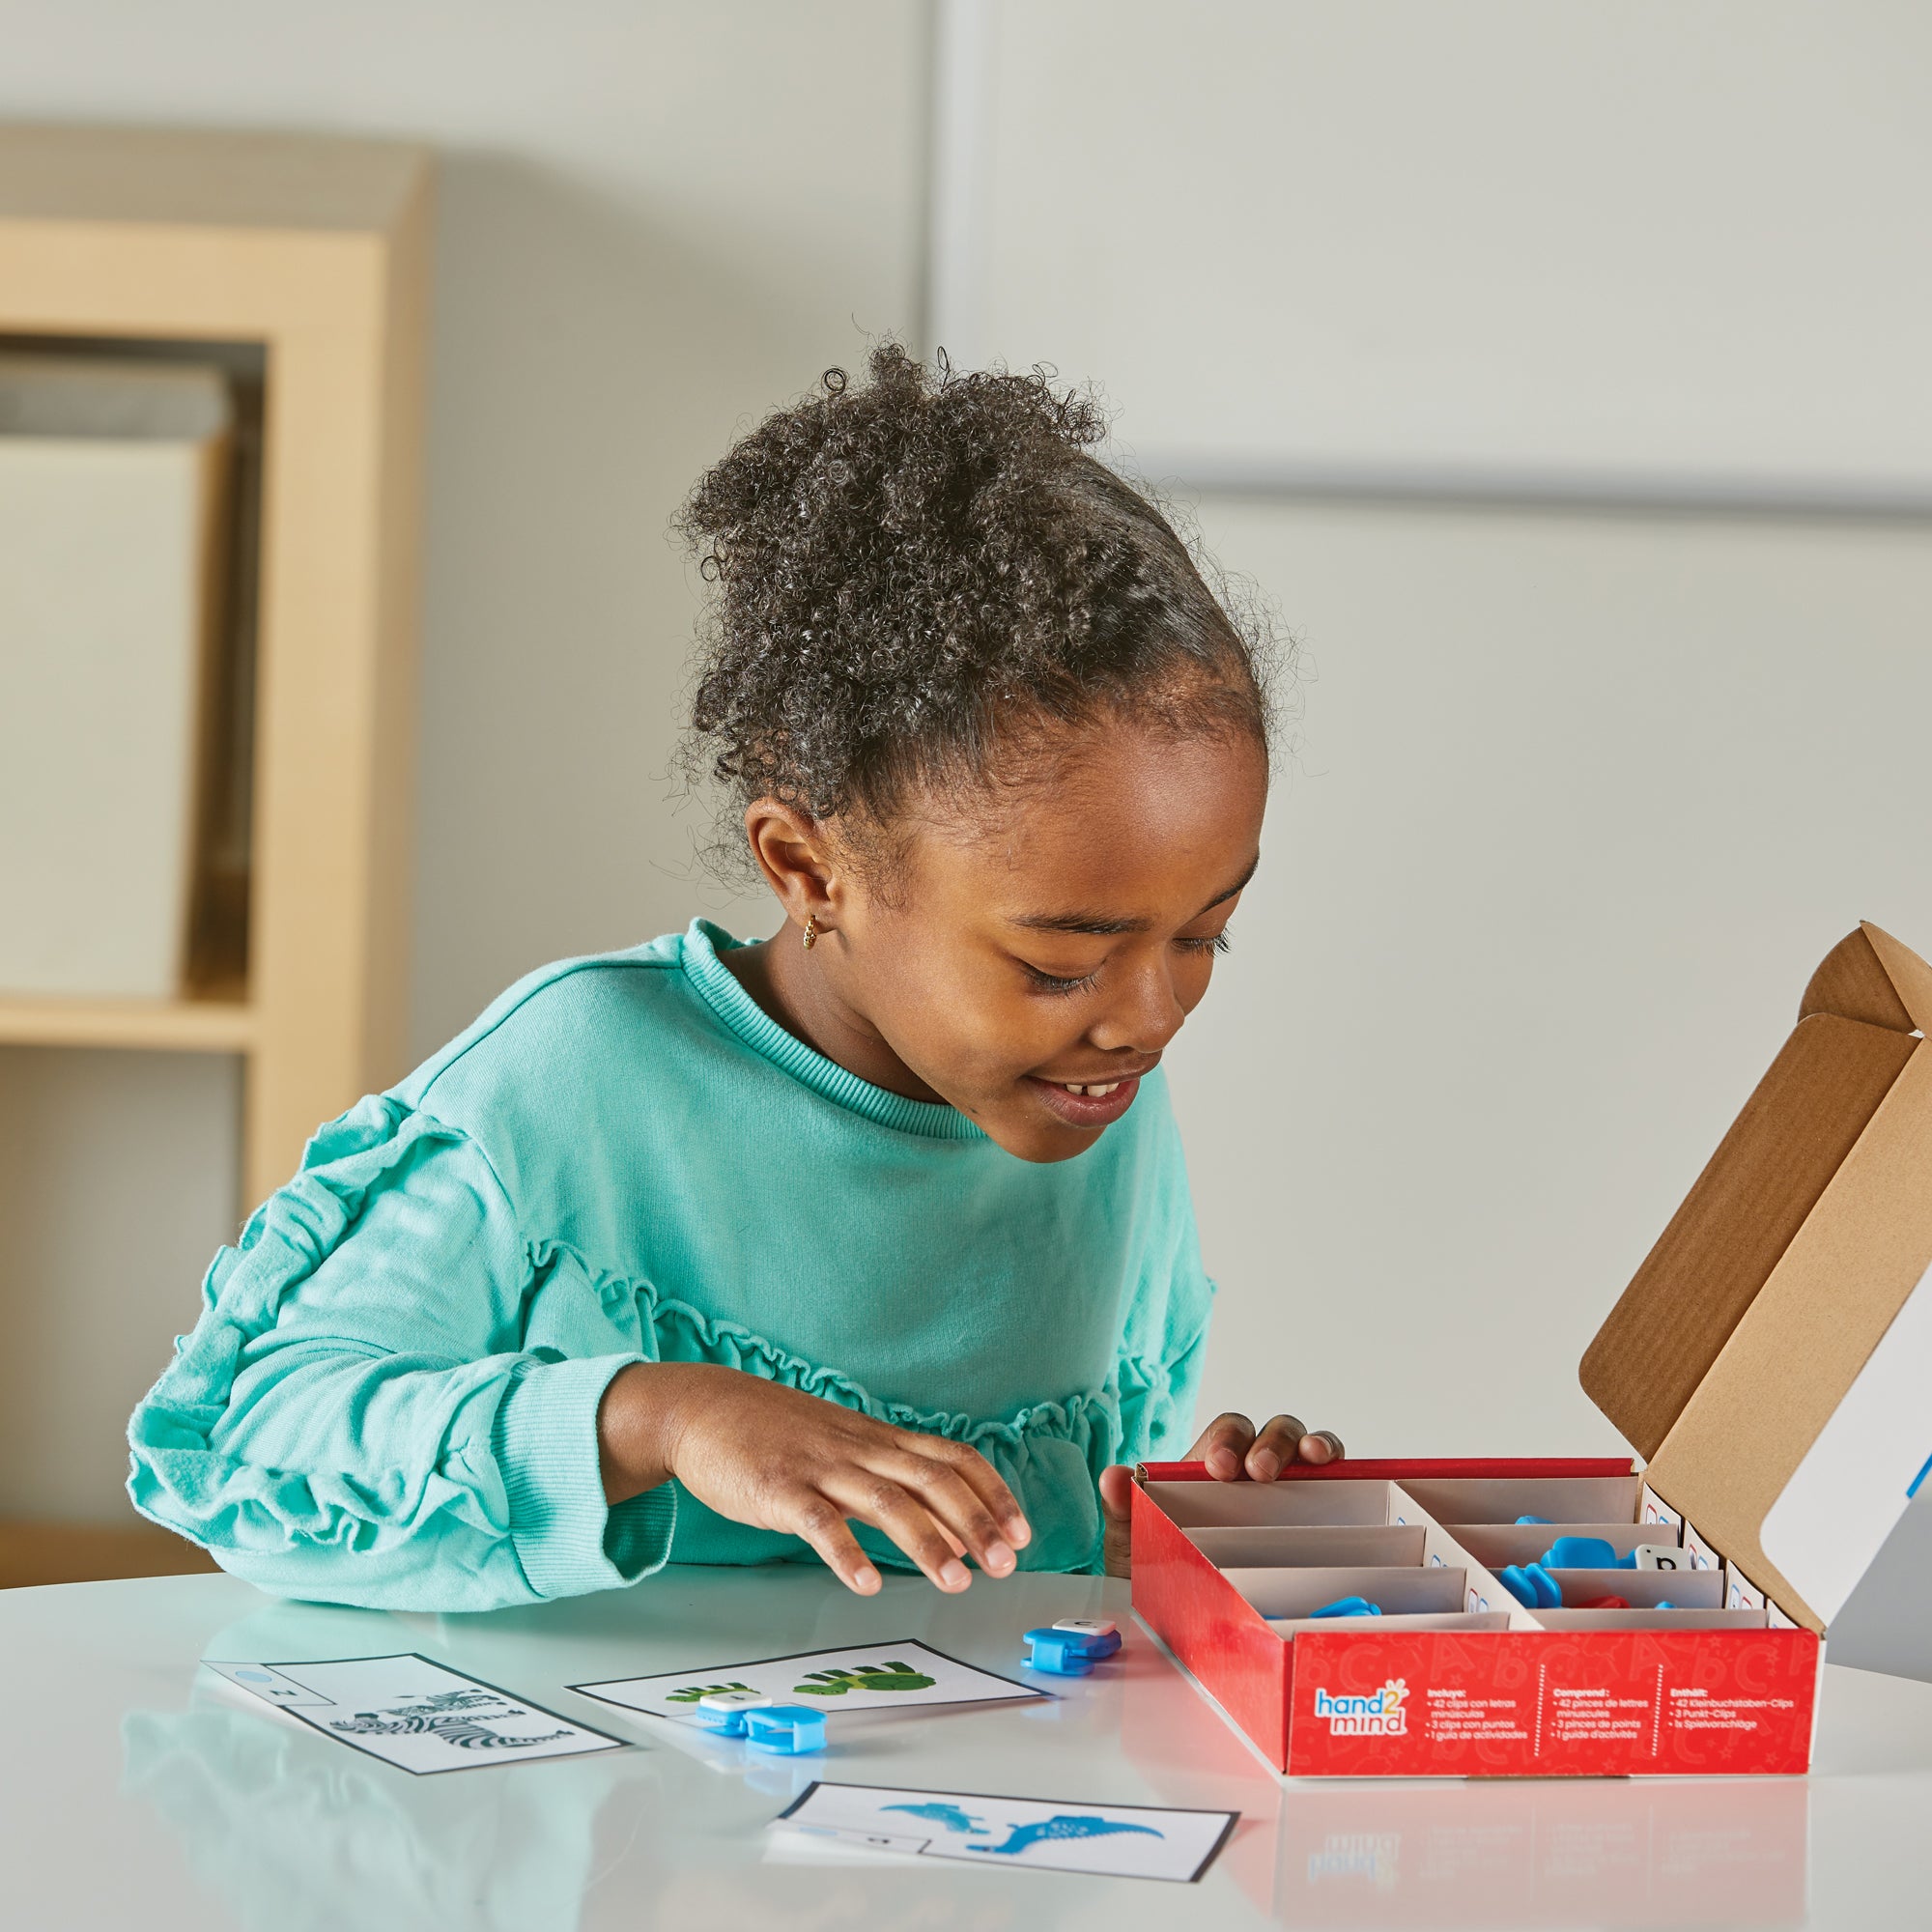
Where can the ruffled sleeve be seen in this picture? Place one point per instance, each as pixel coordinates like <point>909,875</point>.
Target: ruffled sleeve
<point>359,1416</point>
<point>1158,1395</point>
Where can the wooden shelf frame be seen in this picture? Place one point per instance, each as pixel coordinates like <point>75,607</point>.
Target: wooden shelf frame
<point>318,250</point>
<point>167,1026</point>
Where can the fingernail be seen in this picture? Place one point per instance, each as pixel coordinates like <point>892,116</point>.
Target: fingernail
<point>866,1580</point>
<point>1265,1466</point>
<point>1019,1531</point>
<point>999,1558</point>
<point>1223,1463</point>
<point>952,1575</point>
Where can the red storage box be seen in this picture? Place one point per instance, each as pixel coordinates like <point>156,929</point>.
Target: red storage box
<point>1771,1359</point>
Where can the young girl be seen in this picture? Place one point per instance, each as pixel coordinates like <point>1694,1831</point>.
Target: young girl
<point>873,1238</point>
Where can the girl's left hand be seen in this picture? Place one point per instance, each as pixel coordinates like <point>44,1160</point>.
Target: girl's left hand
<point>1232,1447</point>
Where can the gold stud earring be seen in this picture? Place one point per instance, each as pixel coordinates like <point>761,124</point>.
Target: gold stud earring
<point>811,931</point>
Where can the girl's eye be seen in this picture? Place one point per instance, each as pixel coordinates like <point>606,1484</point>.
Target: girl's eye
<point>1048,982</point>
<point>1214,942</point>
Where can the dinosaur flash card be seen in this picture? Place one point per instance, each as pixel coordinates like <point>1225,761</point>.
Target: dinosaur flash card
<point>891,1676</point>
<point>418,1716</point>
<point>1113,1840</point>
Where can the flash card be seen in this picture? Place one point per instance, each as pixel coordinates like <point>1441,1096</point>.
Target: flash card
<point>420,1717</point>
<point>1111,1840</point>
<point>270,1686</point>
<point>867,1677</point>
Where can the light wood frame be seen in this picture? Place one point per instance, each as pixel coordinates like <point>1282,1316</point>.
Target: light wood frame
<point>317,250</point>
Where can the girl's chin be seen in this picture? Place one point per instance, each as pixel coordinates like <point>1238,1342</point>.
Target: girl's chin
<point>1086,1111</point>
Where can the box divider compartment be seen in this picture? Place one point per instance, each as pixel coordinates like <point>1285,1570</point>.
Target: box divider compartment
<point>1400,1620</point>
<point>1636,1618</point>
<point>1488,1499</point>
<point>1310,1545</point>
<point>1482,1588</point>
<point>1299,1593</point>
<point>1246,1505</point>
<point>1499,1544</point>
<point>1641,1589</point>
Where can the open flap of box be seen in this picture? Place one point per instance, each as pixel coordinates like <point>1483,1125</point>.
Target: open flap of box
<point>1772,1356</point>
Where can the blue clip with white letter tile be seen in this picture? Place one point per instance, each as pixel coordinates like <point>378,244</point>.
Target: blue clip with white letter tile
<point>1071,1647</point>
<point>725,1710</point>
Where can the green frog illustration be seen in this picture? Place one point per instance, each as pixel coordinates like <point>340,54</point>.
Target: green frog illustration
<point>691,1693</point>
<point>892,1675</point>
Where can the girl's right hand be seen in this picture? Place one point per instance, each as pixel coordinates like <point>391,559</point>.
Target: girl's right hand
<point>779,1458</point>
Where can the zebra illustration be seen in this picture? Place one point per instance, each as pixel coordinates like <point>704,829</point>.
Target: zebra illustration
<point>443,1716</point>
<point>436,1704</point>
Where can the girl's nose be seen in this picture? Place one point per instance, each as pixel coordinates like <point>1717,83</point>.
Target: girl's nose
<point>1143,1018</point>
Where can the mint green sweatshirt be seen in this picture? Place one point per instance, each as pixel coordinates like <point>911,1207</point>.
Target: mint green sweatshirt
<point>391,1397</point>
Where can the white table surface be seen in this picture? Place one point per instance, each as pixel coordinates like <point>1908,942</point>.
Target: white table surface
<point>139,1794</point>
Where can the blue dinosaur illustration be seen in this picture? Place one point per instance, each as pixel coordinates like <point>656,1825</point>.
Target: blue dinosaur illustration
<point>1061,1825</point>
<point>949,1815</point>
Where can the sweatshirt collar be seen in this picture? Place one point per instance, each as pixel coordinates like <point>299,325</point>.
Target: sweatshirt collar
<point>719,988</point>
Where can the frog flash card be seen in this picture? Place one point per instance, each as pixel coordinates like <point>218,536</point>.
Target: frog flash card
<point>890,1676</point>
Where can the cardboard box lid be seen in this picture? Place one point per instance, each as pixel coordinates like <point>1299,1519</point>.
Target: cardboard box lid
<point>1776,1291</point>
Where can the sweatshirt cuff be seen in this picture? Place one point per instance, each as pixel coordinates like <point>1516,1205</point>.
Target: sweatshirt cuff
<point>568,1540</point>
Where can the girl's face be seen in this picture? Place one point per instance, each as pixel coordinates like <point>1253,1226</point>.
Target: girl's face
<point>1031,964</point>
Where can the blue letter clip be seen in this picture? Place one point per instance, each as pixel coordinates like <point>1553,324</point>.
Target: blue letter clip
<point>1071,1647</point>
<point>790,1728</point>
<point>724,1711</point>
<point>1531,1586</point>
<point>1585,1552</point>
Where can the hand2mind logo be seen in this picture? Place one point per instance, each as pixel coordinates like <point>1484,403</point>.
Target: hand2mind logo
<point>1382,1714</point>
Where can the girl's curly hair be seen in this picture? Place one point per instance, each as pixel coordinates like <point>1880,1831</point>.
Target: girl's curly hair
<point>923,581</point>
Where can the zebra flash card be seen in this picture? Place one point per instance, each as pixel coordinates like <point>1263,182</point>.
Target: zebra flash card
<point>418,1716</point>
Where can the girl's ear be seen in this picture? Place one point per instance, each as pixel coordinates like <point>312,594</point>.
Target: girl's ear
<point>798,858</point>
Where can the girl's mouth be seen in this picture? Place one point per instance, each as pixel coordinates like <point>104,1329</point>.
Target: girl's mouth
<point>1096,1103</point>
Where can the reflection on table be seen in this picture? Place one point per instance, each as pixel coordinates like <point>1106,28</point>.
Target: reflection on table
<point>1581,1852</point>
<point>299,1836</point>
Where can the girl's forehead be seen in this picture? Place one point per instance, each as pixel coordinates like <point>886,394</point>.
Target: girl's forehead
<point>1096,922</point>
<point>1116,841</point>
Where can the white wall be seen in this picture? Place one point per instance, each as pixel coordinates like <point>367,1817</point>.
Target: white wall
<point>655,220</point>
<point>1502,236</point>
